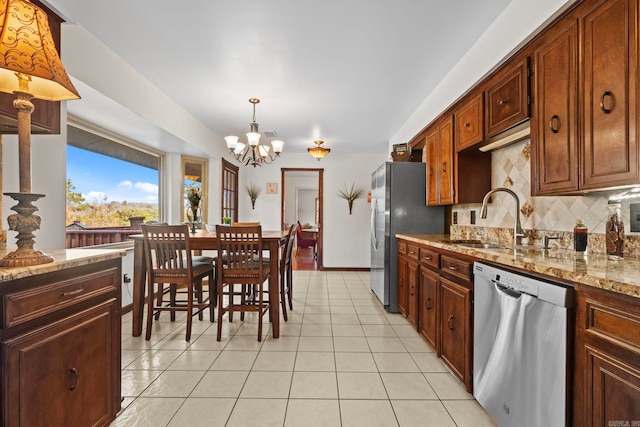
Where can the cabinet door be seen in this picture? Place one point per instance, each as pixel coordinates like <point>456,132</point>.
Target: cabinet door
<point>555,119</point>
<point>455,343</point>
<point>469,119</point>
<point>446,173</point>
<point>412,293</point>
<point>508,99</point>
<point>610,94</point>
<point>76,385</point>
<point>431,149</point>
<point>428,319</point>
<point>613,392</point>
<point>402,285</point>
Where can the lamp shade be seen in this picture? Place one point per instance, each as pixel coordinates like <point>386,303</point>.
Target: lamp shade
<point>318,152</point>
<point>27,47</point>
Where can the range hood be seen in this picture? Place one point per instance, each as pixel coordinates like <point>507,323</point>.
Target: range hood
<point>509,136</point>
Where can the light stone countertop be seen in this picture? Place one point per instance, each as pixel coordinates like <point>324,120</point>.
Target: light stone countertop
<point>64,258</point>
<point>590,269</point>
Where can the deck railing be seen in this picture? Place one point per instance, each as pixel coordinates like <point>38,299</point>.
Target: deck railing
<point>91,237</point>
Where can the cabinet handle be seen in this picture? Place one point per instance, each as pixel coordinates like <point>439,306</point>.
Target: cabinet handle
<point>453,267</point>
<point>427,257</point>
<point>71,293</point>
<point>450,322</point>
<point>554,118</point>
<point>602,107</point>
<point>444,167</point>
<point>76,379</point>
<point>431,171</point>
<point>503,102</point>
<point>427,304</point>
<point>412,290</point>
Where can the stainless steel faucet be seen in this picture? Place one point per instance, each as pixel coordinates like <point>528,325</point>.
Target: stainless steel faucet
<point>518,232</point>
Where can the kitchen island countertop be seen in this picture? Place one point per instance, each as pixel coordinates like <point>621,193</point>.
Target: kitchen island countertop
<point>592,269</point>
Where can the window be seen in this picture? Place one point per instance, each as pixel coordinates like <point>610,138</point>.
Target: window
<point>229,190</point>
<point>194,174</point>
<point>109,181</point>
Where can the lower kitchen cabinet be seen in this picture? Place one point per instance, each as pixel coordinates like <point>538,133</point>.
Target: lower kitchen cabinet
<point>60,346</point>
<point>428,317</point>
<point>455,329</point>
<point>607,356</point>
<point>403,265</point>
<point>412,293</point>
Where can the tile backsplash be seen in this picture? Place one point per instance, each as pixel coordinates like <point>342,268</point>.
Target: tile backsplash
<point>557,215</point>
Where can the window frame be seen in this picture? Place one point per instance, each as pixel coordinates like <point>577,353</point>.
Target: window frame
<point>229,190</point>
<point>204,180</point>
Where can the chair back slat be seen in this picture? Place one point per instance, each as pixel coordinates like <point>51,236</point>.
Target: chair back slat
<point>167,252</point>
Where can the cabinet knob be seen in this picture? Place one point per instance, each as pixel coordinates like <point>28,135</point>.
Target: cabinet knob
<point>467,124</point>
<point>444,167</point>
<point>503,102</point>
<point>606,94</point>
<point>427,304</point>
<point>554,119</point>
<point>450,322</point>
<point>75,379</point>
<point>412,290</point>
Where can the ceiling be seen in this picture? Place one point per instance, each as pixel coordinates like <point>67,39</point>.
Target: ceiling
<point>350,72</point>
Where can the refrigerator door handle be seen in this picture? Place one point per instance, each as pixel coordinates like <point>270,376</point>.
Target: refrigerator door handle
<point>374,217</point>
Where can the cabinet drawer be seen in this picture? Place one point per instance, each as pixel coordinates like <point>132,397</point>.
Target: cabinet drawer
<point>429,257</point>
<point>456,267</point>
<point>413,252</point>
<point>614,323</point>
<point>402,247</point>
<point>22,306</point>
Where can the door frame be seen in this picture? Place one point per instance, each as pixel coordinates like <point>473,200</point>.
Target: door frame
<point>320,172</point>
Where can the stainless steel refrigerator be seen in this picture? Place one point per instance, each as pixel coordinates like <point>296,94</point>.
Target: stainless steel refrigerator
<point>398,205</point>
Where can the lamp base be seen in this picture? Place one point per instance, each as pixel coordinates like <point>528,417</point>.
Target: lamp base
<point>24,222</point>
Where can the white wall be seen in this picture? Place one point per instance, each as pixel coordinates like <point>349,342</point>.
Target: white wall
<point>346,237</point>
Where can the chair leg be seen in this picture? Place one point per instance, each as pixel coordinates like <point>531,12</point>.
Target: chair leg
<point>212,296</point>
<point>260,314</point>
<point>220,288</point>
<point>190,292</point>
<point>150,309</point>
<point>290,286</point>
<point>159,299</point>
<point>283,296</point>
<point>172,299</point>
<point>198,290</point>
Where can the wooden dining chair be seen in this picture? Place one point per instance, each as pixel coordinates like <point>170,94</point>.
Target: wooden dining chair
<point>244,267</point>
<point>286,273</point>
<point>170,263</point>
<point>305,242</point>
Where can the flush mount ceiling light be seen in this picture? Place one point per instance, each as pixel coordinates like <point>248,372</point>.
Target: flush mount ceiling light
<point>253,153</point>
<point>318,151</point>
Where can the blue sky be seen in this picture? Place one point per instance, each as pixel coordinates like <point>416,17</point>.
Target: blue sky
<point>96,176</point>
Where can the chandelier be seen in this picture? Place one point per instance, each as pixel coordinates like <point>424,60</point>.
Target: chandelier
<point>318,151</point>
<point>253,153</point>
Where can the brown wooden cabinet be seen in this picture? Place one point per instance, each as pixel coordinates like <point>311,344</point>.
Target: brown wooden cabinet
<point>469,120</point>
<point>507,98</point>
<point>455,325</point>
<point>428,317</point>
<point>607,353</point>
<point>610,90</point>
<point>554,125</point>
<point>60,342</point>
<point>440,163</point>
<point>403,265</point>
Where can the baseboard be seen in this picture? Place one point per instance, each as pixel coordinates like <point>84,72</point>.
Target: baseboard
<point>127,308</point>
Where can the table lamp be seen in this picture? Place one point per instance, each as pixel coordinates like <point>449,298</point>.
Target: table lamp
<point>29,68</point>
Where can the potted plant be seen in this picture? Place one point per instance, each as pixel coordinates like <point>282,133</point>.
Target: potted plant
<point>253,191</point>
<point>350,194</point>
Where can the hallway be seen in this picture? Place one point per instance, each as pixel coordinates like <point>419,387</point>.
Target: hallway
<point>341,360</point>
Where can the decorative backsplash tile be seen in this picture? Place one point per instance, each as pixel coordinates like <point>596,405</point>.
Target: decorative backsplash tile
<point>557,215</point>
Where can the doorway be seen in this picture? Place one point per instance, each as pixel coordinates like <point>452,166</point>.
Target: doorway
<point>302,200</point>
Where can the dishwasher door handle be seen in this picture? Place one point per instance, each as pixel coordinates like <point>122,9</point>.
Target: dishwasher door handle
<point>511,293</point>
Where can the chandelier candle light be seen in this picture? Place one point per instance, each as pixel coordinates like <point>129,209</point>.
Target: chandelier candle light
<point>30,67</point>
<point>253,153</point>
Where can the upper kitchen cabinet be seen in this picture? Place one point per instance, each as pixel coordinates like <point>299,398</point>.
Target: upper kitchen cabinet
<point>45,118</point>
<point>610,89</point>
<point>554,122</point>
<point>439,159</point>
<point>507,98</point>
<point>469,120</point>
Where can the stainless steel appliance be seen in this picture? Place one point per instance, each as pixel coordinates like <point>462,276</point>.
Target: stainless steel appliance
<point>520,347</point>
<point>398,205</point>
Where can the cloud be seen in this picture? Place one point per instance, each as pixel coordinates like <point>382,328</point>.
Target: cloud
<point>152,198</point>
<point>147,187</point>
<point>126,183</point>
<point>95,196</point>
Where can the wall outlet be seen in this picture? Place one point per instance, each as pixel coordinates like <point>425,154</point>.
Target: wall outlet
<point>455,218</point>
<point>473,217</point>
<point>634,216</point>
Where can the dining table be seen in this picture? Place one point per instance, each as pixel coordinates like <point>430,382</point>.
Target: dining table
<point>206,240</point>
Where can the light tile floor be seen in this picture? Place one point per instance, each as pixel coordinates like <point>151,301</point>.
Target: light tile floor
<point>341,360</point>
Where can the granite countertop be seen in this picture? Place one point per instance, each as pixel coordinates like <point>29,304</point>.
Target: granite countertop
<point>590,269</point>
<point>64,258</point>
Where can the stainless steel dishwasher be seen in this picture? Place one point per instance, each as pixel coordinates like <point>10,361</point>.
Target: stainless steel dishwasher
<point>520,347</point>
